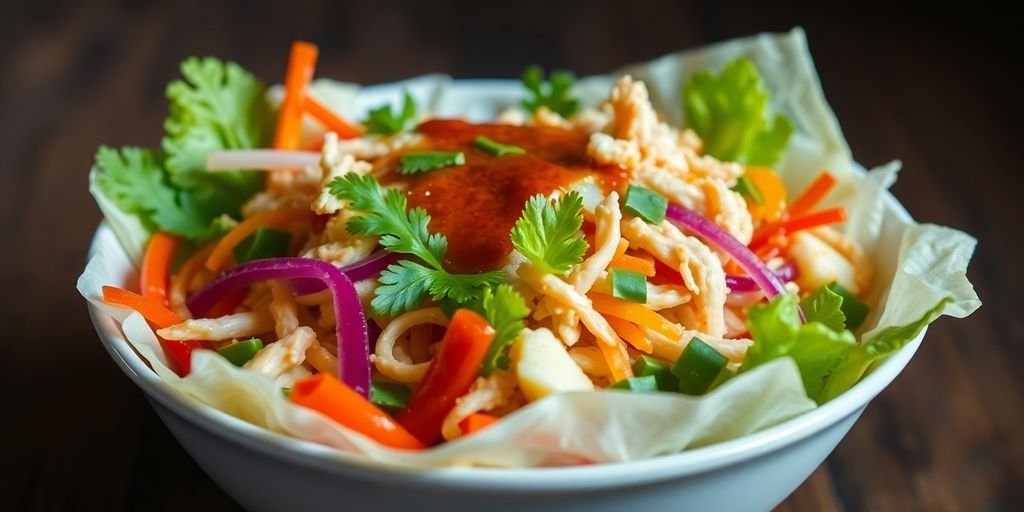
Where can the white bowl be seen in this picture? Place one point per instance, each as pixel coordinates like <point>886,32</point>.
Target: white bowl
<point>264,470</point>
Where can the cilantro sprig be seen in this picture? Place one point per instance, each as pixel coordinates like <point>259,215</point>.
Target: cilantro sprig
<point>505,310</point>
<point>385,121</point>
<point>422,161</point>
<point>555,93</point>
<point>549,234</point>
<point>406,284</point>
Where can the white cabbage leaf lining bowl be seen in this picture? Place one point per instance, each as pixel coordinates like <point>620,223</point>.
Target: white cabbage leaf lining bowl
<point>731,471</point>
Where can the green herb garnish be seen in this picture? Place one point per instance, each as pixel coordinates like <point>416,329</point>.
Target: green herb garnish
<point>549,235</point>
<point>629,285</point>
<point>423,161</point>
<point>384,121</point>
<point>505,310</point>
<point>555,94</point>
<point>492,147</point>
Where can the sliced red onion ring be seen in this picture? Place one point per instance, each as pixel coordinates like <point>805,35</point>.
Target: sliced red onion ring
<point>372,266</point>
<point>742,284</point>
<point>692,221</point>
<point>353,338</point>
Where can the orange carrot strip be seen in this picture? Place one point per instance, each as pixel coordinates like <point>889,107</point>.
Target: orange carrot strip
<point>813,220</point>
<point>332,121</point>
<point>332,398</point>
<point>631,333</point>
<point>477,422</point>
<point>156,266</point>
<point>636,313</point>
<point>301,64</point>
<point>222,251</point>
<point>154,312</point>
<point>813,195</point>
<point>639,264</point>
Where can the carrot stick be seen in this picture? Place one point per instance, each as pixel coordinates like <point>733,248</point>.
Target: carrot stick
<point>639,264</point>
<point>222,251</point>
<point>332,398</point>
<point>812,220</point>
<point>636,313</point>
<point>477,422</point>
<point>301,64</point>
<point>813,195</point>
<point>154,312</point>
<point>156,266</point>
<point>631,333</point>
<point>332,121</point>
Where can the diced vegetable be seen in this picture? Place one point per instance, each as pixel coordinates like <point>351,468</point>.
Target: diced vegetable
<point>477,422</point>
<point>629,285</point>
<point>646,204</point>
<point>422,161</point>
<point>155,273</point>
<point>543,366</point>
<point>240,353</point>
<point>493,147</point>
<point>264,243</point>
<point>332,398</point>
<point>854,310</point>
<point>698,367</point>
<point>647,366</point>
<point>451,373</point>
<point>647,384</point>
<point>392,395</point>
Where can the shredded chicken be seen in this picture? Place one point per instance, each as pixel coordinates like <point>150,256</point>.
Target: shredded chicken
<point>238,325</point>
<point>283,308</point>
<point>486,393</point>
<point>284,355</point>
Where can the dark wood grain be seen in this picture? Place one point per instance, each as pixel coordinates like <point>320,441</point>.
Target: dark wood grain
<point>937,89</point>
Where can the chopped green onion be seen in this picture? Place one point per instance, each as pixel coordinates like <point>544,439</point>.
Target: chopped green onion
<point>629,285</point>
<point>747,188</point>
<point>698,367</point>
<point>646,204</point>
<point>264,243</point>
<point>495,148</point>
<point>287,392</point>
<point>855,310</point>
<point>389,394</point>
<point>423,161</point>
<point>645,384</point>
<point>647,366</point>
<point>241,352</point>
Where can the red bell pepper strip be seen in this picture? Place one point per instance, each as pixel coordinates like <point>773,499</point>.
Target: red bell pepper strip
<point>156,266</point>
<point>449,376</point>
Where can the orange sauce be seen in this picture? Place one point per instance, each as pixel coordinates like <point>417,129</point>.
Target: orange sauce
<point>476,204</point>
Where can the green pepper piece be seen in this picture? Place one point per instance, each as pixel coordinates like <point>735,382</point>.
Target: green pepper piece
<point>854,310</point>
<point>645,384</point>
<point>648,366</point>
<point>264,243</point>
<point>391,395</point>
<point>698,367</point>
<point>241,352</point>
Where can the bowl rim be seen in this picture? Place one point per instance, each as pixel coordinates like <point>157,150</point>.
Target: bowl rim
<point>582,477</point>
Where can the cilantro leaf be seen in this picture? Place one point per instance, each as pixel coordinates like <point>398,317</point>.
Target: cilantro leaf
<point>384,121</point>
<point>134,179</point>
<point>730,113</point>
<point>549,235</point>
<point>218,105</point>
<point>406,284</point>
<point>555,94</point>
<point>777,332</point>
<point>505,310</point>
<point>825,306</point>
<point>423,161</point>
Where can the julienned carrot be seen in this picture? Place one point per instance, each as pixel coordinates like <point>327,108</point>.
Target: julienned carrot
<point>156,266</point>
<point>332,121</point>
<point>636,313</point>
<point>812,195</point>
<point>477,422</point>
<point>454,369</point>
<point>154,312</point>
<point>631,333</point>
<point>812,220</point>
<point>222,251</point>
<point>639,264</point>
<point>332,398</point>
<point>301,65</point>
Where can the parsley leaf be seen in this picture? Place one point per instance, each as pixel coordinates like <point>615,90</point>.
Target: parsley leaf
<point>824,305</point>
<point>218,105</point>
<point>406,284</point>
<point>555,94</point>
<point>505,310</point>
<point>423,161</point>
<point>134,179</point>
<point>730,113</point>
<point>549,235</point>
<point>383,121</point>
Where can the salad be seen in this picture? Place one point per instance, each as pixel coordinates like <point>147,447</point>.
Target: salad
<point>421,279</point>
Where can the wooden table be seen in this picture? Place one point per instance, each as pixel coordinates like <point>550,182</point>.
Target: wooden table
<point>935,89</point>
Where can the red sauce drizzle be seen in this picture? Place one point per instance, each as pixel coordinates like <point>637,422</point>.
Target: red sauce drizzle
<point>476,204</point>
